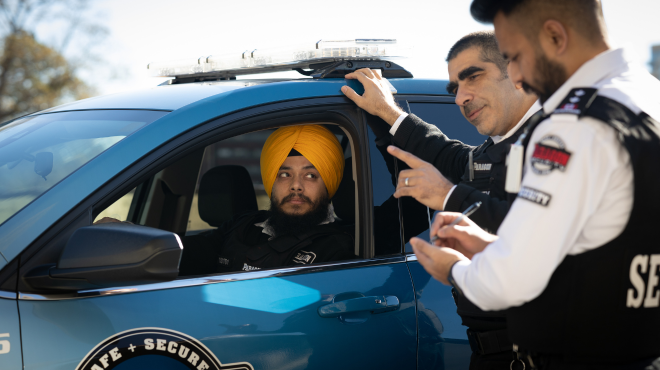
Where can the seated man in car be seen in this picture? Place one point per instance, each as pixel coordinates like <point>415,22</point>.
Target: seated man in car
<point>301,168</point>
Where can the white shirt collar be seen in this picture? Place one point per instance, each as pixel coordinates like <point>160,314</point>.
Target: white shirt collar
<point>268,230</point>
<point>533,109</point>
<point>602,66</point>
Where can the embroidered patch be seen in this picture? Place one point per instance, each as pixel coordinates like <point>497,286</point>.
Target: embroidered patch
<point>247,267</point>
<point>576,101</point>
<point>535,196</point>
<point>549,154</point>
<point>482,166</point>
<point>304,257</point>
<point>223,261</point>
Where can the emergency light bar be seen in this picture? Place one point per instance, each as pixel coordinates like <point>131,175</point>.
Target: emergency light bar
<point>332,58</point>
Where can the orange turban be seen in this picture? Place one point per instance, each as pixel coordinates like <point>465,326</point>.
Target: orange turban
<point>314,142</point>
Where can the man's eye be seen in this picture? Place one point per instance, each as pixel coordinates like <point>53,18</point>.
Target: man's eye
<point>473,77</point>
<point>284,174</point>
<point>310,176</point>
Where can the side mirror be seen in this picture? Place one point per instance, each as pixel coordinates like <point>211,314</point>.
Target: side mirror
<point>110,255</point>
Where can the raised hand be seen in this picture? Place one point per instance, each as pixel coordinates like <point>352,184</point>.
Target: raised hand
<point>377,98</point>
<point>425,183</point>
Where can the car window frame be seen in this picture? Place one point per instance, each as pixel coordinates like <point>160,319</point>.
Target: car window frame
<point>330,109</point>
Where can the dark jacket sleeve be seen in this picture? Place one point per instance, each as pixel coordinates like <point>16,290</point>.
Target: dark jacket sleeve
<point>491,213</point>
<point>427,142</point>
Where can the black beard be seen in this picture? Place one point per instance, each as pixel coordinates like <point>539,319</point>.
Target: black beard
<point>286,224</point>
<point>552,76</point>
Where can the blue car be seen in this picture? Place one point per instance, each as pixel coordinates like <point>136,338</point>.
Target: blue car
<point>76,293</point>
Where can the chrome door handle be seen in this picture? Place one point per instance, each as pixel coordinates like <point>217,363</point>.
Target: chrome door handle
<point>373,304</point>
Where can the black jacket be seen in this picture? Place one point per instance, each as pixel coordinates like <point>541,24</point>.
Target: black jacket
<point>427,142</point>
<point>239,245</point>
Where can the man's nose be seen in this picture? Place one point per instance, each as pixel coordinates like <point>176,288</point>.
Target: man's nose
<point>463,96</point>
<point>297,184</point>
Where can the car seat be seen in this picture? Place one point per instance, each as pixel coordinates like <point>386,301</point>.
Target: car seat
<point>225,191</point>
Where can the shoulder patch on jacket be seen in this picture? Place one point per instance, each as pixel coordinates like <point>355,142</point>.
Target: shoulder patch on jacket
<point>577,101</point>
<point>304,257</point>
<point>535,196</point>
<point>549,154</point>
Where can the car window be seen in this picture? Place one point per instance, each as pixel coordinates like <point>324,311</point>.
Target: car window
<point>386,207</point>
<point>38,152</point>
<point>448,118</point>
<point>211,191</point>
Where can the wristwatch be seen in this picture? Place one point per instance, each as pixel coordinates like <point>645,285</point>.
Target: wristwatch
<point>451,280</point>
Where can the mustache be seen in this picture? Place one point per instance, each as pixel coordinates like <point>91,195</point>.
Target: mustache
<point>295,195</point>
<point>529,89</point>
<point>471,107</point>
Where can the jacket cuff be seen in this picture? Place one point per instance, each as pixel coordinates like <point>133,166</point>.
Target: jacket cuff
<point>457,197</point>
<point>405,130</point>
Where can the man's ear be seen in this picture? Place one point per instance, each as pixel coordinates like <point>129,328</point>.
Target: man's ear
<point>554,37</point>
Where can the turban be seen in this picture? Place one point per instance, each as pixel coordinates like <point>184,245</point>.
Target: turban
<point>314,142</point>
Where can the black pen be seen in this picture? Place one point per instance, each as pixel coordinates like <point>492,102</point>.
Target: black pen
<point>469,211</point>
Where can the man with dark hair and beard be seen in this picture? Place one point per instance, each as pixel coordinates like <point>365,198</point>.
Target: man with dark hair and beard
<point>575,262</point>
<point>301,169</point>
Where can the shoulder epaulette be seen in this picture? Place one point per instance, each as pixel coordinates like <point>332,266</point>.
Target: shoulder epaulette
<point>577,101</point>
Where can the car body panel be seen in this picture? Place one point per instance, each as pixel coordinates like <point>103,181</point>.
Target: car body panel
<point>10,335</point>
<point>441,334</point>
<point>270,334</point>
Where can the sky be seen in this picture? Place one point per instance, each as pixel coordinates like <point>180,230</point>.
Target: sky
<point>144,31</point>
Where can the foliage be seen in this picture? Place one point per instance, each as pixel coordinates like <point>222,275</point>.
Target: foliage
<point>37,74</point>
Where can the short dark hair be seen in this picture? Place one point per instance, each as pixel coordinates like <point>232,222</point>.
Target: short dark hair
<point>487,43</point>
<point>584,16</point>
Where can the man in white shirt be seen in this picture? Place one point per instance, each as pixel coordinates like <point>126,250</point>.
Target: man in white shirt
<point>576,260</point>
<point>460,175</point>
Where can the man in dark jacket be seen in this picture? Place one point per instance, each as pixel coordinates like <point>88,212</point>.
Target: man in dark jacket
<point>301,168</point>
<point>459,175</point>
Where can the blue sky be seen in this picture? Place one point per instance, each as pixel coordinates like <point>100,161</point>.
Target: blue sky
<point>142,31</point>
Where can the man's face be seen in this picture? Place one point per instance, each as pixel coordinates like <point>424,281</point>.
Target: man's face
<point>298,188</point>
<point>485,97</point>
<point>528,63</point>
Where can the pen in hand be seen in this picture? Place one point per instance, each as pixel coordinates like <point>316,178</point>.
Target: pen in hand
<point>469,211</point>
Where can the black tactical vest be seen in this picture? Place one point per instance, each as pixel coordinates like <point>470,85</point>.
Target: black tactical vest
<point>489,173</point>
<point>247,248</point>
<point>604,304</point>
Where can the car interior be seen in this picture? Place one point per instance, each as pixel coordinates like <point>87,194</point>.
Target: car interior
<point>205,188</point>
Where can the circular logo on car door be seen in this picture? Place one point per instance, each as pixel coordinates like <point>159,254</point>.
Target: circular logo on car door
<point>145,348</point>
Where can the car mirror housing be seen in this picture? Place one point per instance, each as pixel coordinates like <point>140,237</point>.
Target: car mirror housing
<point>110,255</point>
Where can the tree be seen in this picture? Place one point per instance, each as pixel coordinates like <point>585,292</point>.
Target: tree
<point>36,76</point>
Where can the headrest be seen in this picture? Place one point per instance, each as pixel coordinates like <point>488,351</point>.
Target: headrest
<point>225,191</point>
<point>344,199</point>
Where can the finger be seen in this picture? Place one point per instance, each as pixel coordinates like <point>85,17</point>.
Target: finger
<point>414,178</point>
<point>410,159</point>
<point>367,72</point>
<point>441,219</point>
<point>408,191</point>
<point>351,94</point>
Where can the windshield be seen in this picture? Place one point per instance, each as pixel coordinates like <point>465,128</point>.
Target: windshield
<point>38,152</point>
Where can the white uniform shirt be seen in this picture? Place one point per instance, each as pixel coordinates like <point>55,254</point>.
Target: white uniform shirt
<point>589,201</point>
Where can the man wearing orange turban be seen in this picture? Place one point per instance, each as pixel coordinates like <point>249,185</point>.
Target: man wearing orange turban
<point>301,168</point>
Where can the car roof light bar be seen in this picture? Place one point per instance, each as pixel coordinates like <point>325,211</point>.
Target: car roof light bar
<point>346,55</point>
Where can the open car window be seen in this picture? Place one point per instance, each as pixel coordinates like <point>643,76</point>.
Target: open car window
<point>205,194</point>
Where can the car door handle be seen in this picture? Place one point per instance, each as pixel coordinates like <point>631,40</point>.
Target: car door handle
<point>373,304</point>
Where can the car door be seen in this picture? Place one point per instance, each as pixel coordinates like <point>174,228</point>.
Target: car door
<point>442,338</point>
<point>10,334</point>
<point>357,313</point>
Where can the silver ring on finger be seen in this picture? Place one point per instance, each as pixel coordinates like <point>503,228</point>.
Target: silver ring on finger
<point>406,181</point>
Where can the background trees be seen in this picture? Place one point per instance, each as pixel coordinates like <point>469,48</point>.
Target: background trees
<point>39,64</point>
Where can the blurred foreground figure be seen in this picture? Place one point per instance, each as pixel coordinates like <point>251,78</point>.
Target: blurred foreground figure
<point>576,259</point>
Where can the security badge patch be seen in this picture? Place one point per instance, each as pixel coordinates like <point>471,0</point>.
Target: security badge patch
<point>172,350</point>
<point>549,154</point>
<point>535,196</point>
<point>304,257</point>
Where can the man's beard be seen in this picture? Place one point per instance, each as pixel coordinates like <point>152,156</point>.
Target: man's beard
<point>551,76</point>
<point>286,224</point>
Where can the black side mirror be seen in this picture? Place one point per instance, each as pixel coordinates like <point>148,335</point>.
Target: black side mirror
<point>110,255</point>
